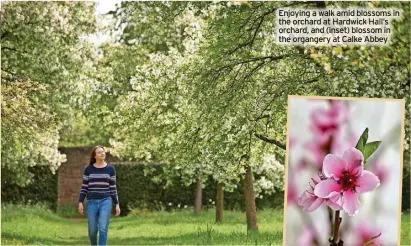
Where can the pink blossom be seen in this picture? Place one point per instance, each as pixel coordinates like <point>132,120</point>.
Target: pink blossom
<point>365,232</point>
<point>309,200</point>
<point>382,172</point>
<point>344,144</point>
<point>312,202</point>
<point>293,141</point>
<point>291,191</point>
<point>327,122</point>
<point>345,177</point>
<point>327,129</point>
<point>319,151</point>
<point>307,237</point>
<point>301,165</point>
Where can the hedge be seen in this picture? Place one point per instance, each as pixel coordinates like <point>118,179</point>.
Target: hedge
<point>137,191</point>
<point>42,190</point>
<point>406,194</point>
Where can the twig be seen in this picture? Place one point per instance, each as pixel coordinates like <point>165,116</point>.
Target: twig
<point>269,140</point>
<point>335,239</point>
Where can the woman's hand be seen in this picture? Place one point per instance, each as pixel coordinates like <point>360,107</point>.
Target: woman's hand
<point>117,210</point>
<point>80,208</point>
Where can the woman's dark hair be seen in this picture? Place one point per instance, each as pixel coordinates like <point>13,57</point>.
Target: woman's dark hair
<point>93,154</point>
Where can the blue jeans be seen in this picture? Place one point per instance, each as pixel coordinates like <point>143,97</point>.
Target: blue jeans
<point>98,217</point>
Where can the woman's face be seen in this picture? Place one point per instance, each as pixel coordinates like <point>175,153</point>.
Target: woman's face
<point>100,154</point>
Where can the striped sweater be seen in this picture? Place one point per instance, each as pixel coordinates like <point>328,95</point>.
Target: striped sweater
<point>99,183</point>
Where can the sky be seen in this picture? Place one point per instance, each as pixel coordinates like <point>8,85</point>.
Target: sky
<point>102,7</point>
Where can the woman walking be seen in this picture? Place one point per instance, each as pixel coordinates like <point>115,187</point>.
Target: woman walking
<point>99,186</point>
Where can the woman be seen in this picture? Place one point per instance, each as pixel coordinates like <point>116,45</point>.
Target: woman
<point>99,186</point>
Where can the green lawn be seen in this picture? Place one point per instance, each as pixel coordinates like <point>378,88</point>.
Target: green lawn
<point>34,225</point>
<point>37,226</point>
<point>406,229</point>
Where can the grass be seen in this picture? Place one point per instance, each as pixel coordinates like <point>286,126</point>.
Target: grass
<point>68,211</point>
<point>37,225</point>
<point>406,229</point>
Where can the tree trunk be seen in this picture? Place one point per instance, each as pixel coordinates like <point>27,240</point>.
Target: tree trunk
<point>219,203</point>
<point>199,196</point>
<point>249,196</point>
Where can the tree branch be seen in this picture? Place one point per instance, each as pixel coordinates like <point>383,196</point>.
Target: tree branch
<point>4,35</point>
<point>254,59</point>
<point>260,21</point>
<point>248,75</point>
<point>265,116</point>
<point>8,48</point>
<point>271,141</point>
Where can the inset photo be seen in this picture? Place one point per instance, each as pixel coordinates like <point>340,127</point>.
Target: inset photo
<point>343,171</point>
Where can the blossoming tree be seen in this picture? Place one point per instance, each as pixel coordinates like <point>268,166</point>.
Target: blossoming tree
<point>45,72</point>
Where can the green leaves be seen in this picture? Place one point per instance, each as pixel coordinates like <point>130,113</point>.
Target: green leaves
<point>370,148</point>
<point>367,149</point>
<point>362,141</point>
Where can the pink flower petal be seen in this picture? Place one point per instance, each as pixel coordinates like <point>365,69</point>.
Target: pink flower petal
<point>316,204</point>
<point>335,201</point>
<point>333,166</point>
<point>309,201</point>
<point>365,231</point>
<point>307,237</point>
<point>317,155</point>
<point>325,188</point>
<point>321,137</point>
<point>334,206</point>
<point>320,117</point>
<point>316,180</point>
<point>306,199</point>
<point>354,159</point>
<point>351,204</point>
<point>339,143</point>
<point>300,165</point>
<point>292,141</point>
<point>367,182</point>
<point>338,111</point>
<point>382,172</point>
<point>292,190</point>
